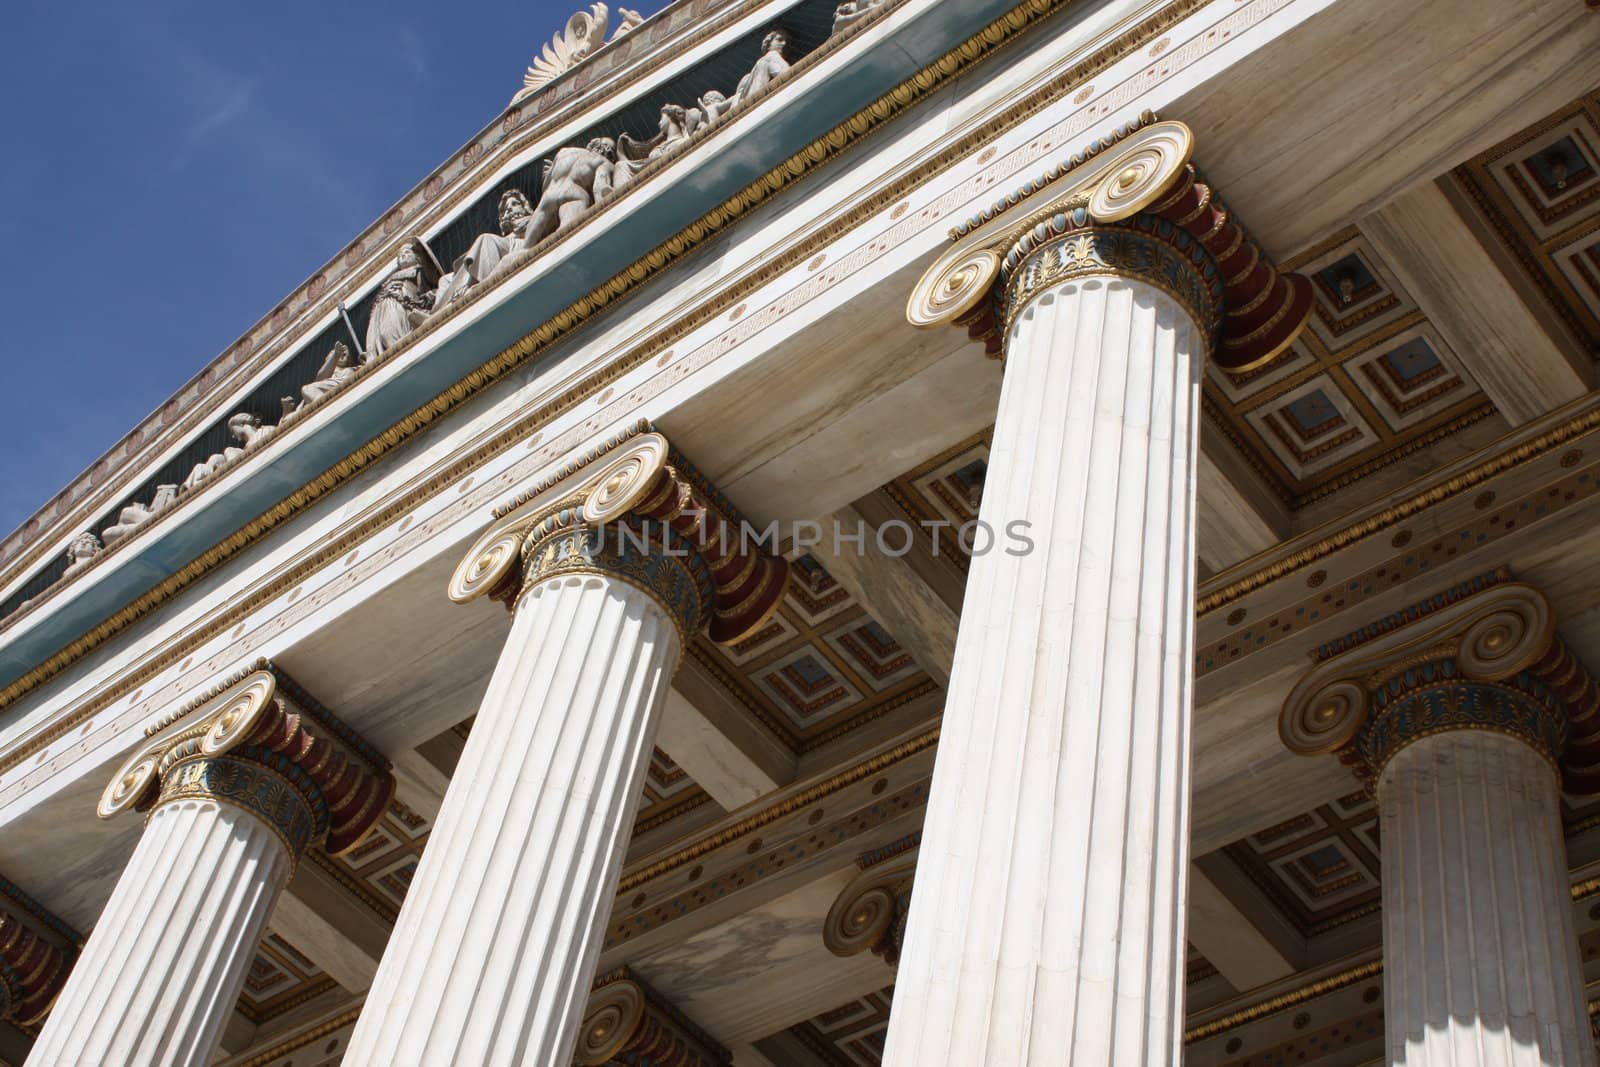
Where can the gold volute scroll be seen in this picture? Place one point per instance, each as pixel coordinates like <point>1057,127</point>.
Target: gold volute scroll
<point>635,481</point>
<point>604,491</point>
<point>219,725</point>
<point>1138,170</point>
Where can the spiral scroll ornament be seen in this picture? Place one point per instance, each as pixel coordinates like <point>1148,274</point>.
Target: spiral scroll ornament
<point>955,287</point>
<point>1327,721</point>
<point>625,480</point>
<point>615,1012</point>
<point>486,567</point>
<point>1507,639</point>
<point>229,719</point>
<point>870,914</point>
<point>1145,169</point>
<point>862,924</point>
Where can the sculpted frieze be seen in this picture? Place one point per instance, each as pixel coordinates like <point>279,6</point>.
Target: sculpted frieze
<point>349,264</point>
<point>576,180</point>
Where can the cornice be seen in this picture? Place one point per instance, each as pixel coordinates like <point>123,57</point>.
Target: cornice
<point>915,89</point>
<point>480,163</point>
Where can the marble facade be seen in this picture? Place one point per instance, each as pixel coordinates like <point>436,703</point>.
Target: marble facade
<point>587,651</point>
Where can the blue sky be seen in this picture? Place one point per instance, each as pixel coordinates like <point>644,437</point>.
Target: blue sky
<point>171,169</point>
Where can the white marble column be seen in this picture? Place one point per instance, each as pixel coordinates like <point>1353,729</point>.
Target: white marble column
<point>1046,925</point>
<point>1481,961</point>
<point>240,785</point>
<point>181,929</point>
<point>491,960</point>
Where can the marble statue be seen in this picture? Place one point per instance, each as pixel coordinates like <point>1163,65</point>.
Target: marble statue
<point>852,11</point>
<point>584,33</point>
<point>713,105</point>
<point>242,427</point>
<point>84,547</point>
<point>135,515</point>
<point>338,367</point>
<point>405,298</point>
<point>677,125</point>
<point>480,261</point>
<point>248,431</point>
<point>770,66</point>
<point>575,180</point>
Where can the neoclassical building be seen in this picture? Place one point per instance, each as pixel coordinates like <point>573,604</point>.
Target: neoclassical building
<point>964,533</point>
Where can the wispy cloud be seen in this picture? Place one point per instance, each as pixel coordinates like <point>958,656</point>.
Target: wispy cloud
<point>234,101</point>
<point>414,50</point>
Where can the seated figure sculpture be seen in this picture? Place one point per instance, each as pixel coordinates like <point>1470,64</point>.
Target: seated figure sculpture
<point>404,299</point>
<point>483,258</point>
<point>677,125</point>
<point>336,370</point>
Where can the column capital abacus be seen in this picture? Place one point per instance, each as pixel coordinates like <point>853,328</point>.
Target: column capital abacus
<point>37,951</point>
<point>627,1022</point>
<point>1132,206</point>
<point>634,510</point>
<point>260,744</point>
<point>1483,655</point>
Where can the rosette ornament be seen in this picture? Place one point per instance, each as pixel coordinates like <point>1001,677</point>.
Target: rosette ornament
<point>1140,182</point>
<point>1483,656</point>
<point>633,510</point>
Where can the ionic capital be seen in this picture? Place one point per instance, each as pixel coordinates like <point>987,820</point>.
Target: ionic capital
<point>627,1022</point>
<point>870,914</point>
<point>261,744</point>
<point>1484,655</point>
<point>1132,206</point>
<point>636,511</point>
<point>37,951</point>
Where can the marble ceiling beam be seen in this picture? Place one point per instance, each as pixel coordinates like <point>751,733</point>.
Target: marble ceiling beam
<point>891,590</point>
<point>717,741</point>
<point>1525,361</point>
<point>422,774</point>
<point>330,927</point>
<point>1236,514</point>
<point>1368,98</point>
<point>1229,938</point>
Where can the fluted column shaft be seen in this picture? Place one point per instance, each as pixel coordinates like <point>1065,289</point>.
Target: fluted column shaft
<point>1481,960</point>
<point>1046,926</point>
<point>492,958</point>
<point>164,967</point>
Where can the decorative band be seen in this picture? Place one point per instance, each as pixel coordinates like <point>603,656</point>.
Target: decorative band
<point>648,555</point>
<point>249,786</point>
<point>1144,248</point>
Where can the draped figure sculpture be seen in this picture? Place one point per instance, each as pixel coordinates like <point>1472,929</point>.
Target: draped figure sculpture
<point>769,67</point>
<point>404,299</point>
